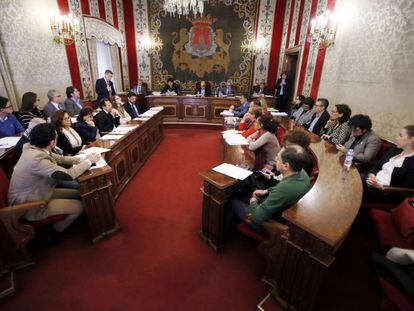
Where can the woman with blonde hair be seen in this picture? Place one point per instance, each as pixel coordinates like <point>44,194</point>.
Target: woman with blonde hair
<point>118,105</point>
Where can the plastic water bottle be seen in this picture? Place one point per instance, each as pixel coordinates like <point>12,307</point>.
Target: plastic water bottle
<point>235,123</point>
<point>348,159</point>
<point>227,122</point>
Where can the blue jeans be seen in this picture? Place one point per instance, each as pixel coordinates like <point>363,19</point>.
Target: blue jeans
<point>240,208</point>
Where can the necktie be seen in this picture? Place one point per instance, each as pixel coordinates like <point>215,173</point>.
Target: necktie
<point>135,110</point>
<point>139,89</point>
<point>109,85</point>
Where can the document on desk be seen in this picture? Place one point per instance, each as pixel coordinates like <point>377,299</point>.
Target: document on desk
<point>236,140</point>
<point>101,163</point>
<point>94,150</point>
<point>157,108</point>
<point>111,137</point>
<point>233,171</point>
<point>226,113</point>
<point>279,114</point>
<point>8,142</point>
<point>270,109</point>
<point>123,129</point>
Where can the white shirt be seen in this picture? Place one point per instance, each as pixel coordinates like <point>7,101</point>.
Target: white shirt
<point>384,175</point>
<point>74,139</point>
<point>312,125</point>
<point>56,105</point>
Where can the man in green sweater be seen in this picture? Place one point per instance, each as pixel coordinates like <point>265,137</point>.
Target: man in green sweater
<point>270,203</point>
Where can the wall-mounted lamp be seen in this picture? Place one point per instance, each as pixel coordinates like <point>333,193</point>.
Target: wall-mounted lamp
<point>323,30</point>
<point>151,45</point>
<point>64,28</point>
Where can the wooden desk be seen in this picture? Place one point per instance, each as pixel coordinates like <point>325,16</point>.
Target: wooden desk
<point>189,109</point>
<point>318,223</point>
<point>100,187</point>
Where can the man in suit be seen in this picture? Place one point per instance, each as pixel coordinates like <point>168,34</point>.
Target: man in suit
<point>363,140</point>
<point>320,117</point>
<point>108,118</point>
<point>230,89</point>
<point>171,88</point>
<point>203,89</point>
<point>131,106</point>
<point>73,104</point>
<point>261,89</point>
<point>282,92</point>
<point>140,88</point>
<point>241,110</point>
<point>221,89</point>
<point>54,104</point>
<point>104,86</point>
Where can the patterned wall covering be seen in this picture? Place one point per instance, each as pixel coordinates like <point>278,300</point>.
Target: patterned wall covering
<point>371,65</point>
<point>213,48</point>
<point>124,56</point>
<point>94,7</point>
<point>264,32</point>
<point>108,12</point>
<point>36,63</point>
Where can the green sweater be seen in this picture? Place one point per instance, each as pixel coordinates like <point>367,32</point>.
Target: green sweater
<point>282,196</point>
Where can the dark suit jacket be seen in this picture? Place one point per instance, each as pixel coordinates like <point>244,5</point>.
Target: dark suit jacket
<point>18,149</point>
<point>175,88</point>
<point>87,132</point>
<point>101,89</point>
<point>71,107</point>
<point>207,90</point>
<point>232,90</point>
<point>265,91</point>
<point>106,122</point>
<point>144,89</point>
<point>286,87</point>
<point>64,144</point>
<point>320,123</point>
<point>401,176</point>
<point>50,109</point>
<point>130,110</point>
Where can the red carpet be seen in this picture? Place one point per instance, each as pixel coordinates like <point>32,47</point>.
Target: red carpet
<point>157,261</point>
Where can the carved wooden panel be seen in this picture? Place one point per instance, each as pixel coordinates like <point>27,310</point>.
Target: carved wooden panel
<point>195,111</point>
<point>120,171</point>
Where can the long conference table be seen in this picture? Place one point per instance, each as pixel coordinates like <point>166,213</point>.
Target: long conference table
<point>316,226</point>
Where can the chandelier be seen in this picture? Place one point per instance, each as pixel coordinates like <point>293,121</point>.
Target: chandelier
<point>64,28</point>
<point>184,7</point>
<point>323,30</point>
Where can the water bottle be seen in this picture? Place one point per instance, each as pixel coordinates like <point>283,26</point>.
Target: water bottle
<point>235,123</point>
<point>226,122</point>
<point>348,159</point>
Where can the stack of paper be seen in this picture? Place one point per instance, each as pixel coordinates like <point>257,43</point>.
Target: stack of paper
<point>156,93</point>
<point>268,96</point>
<point>123,129</point>
<point>94,150</point>
<point>8,142</point>
<point>99,164</point>
<point>279,114</point>
<point>111,137</point>
<point>157,108</point>
<point>229,133</point>
<point>226,113</point>
<point>149,113</point>
<point>270,109</point>
<point>232,171</point>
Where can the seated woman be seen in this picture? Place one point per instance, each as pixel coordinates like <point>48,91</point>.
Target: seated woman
<point>85,126</point>
<point>337,130</point>
<point>306,115</point>
<point>171,88</point>
<point>264,142</point>
<point>29,109</point>
<point>297,108</point>
<point>395,169</point>
<point>247,124</point>
<point>37,173</point>
<point>108,118</point>
<point>363,141</point>
<point>118,104</point>
<point>67,138</point>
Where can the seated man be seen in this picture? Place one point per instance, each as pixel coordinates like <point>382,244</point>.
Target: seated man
<point>241,110</point>
<point>37,173</point>
<point>131,107</point>
<point>73,104</point>
<point>9,126</point>
<point>171,88</point>
<point>261,89</point>
<point>270,203</point>
<point>108,118</point>
<point>140,88</point>
<point>202,89</point>
<point>229,90</point>
<point>363,140</point>
<point>220,90</point>
<point>320,117</point>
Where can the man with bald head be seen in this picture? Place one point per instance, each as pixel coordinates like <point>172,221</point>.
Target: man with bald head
<point>270,203</point>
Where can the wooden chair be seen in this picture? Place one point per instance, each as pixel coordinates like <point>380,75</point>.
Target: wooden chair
<point>14,234</point>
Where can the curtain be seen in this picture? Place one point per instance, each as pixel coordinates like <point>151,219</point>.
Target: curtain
<point>114,49</point>
<point>93,60</point>
<point>107,57</point>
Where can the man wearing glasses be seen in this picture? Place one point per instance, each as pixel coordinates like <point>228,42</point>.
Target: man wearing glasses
<point>320,117</point>
<point>9,126</point>
<point>55,103</point>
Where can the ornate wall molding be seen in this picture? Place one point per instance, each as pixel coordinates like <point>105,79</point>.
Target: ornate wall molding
<point>108,12</point>
<point>294,27</point>
<point>124,56</point>
<point>265,31</point>
<point>102,31</point>
<point>7,80</point>
<point>94,7</point>
<point>284,37</point>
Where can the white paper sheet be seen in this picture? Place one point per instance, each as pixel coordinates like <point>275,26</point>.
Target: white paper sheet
<point>270,109</point>
<point>94,150</point>
<point>158,108</point>
<point>227,113</point>
<point>236,140</point>
<point>232,171</point>
<point>8,142</point>
<point>279,114</point>
<point>111,136</point>
<point>122,129</point>
<point>99,164</point>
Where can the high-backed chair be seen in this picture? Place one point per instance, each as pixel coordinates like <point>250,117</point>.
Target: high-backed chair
<point>14,234</point>
<point>395,228</point>
<point>395,297</point>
